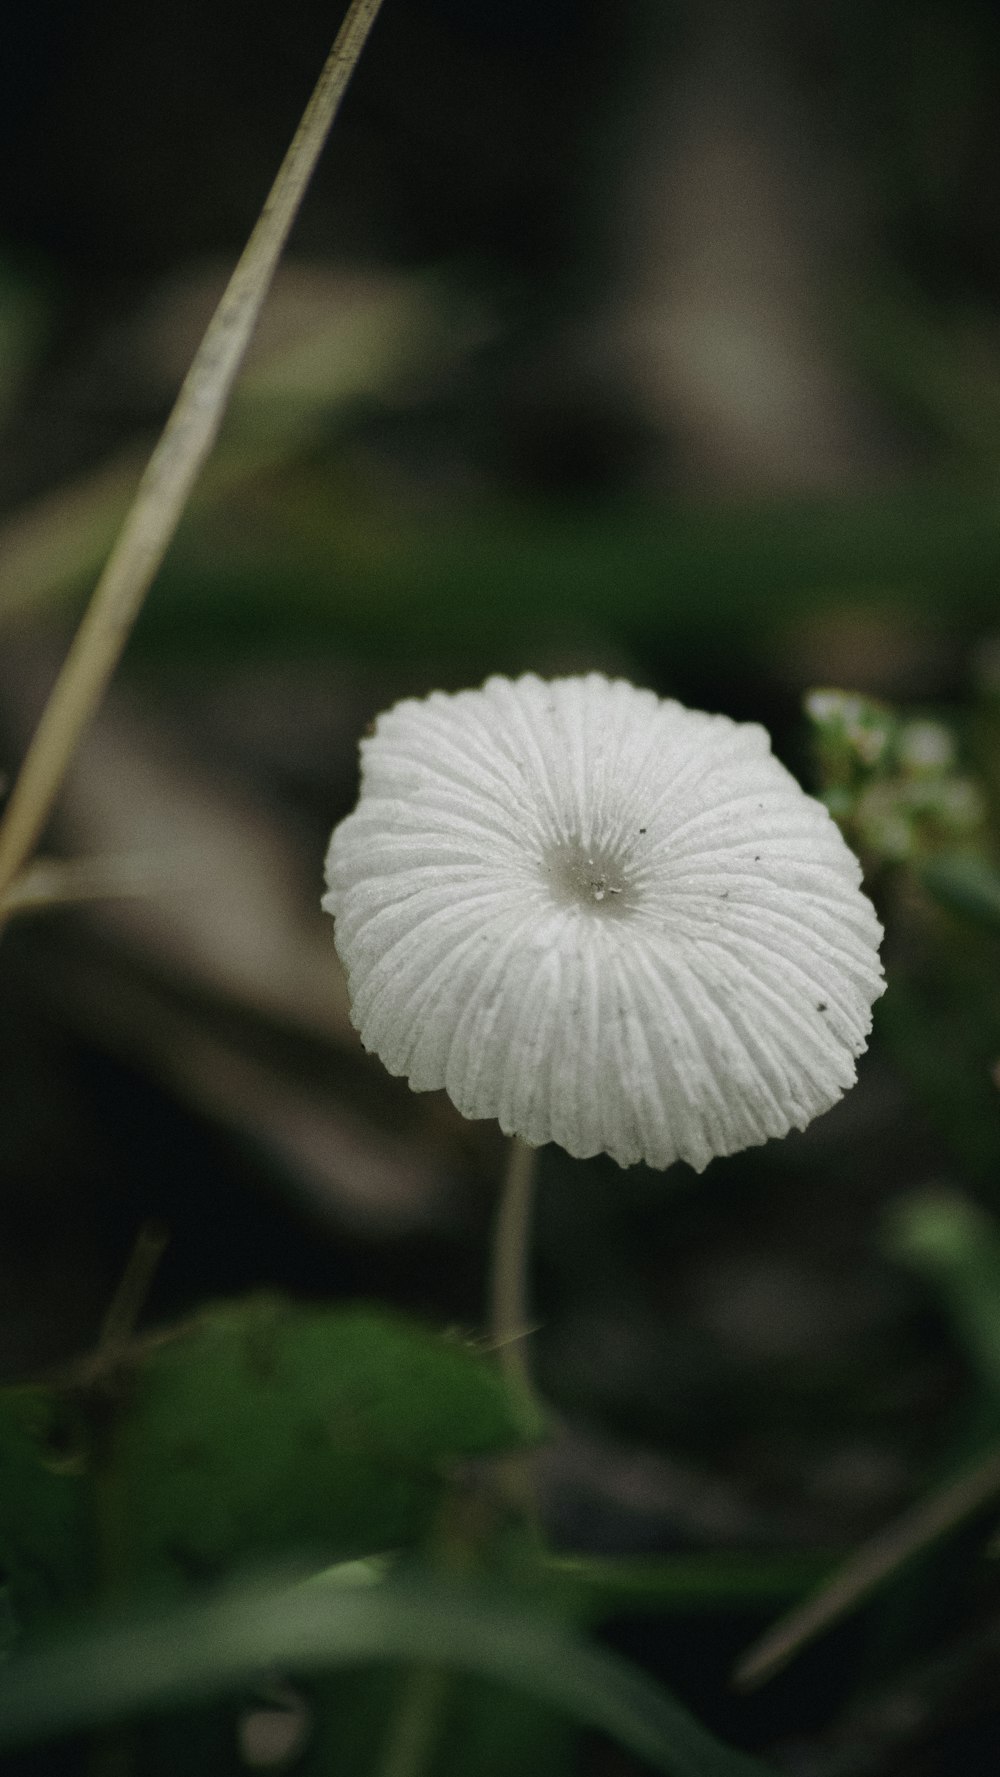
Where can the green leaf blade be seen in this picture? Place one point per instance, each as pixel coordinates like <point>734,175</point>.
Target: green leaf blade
<point>192,1652</point>
<point>269,1428</point>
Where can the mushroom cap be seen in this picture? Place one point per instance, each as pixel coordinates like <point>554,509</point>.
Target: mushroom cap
<point>602,918</point>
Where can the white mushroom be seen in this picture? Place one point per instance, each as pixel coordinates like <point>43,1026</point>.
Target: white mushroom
<point>603,919</point>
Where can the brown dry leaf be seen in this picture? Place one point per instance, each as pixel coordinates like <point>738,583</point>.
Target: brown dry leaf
<point>236,910</point>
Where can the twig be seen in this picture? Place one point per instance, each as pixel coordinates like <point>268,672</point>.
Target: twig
<point>116,1341</point>
<point>874,1562</point>
<point>173,468</point>
<point>127,1302</point>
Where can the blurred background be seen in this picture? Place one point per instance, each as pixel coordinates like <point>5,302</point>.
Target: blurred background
<point>661,338</point>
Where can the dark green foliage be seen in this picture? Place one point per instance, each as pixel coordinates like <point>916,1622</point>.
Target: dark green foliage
<point>47,1526</point>
<point>152,1660</point>
<point>267,1428</point>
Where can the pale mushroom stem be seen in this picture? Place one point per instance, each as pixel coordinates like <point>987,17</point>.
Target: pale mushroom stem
<point>509,1318</point>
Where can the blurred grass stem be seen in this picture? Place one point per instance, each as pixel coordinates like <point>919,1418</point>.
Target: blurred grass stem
<point>129,1298</point>
<point>417,1721</point>
<point>173,467</point>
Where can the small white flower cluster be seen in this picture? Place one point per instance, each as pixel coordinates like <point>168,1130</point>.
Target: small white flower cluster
<point>603,919</point>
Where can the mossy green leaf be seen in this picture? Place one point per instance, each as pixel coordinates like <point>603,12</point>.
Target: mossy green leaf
<point>164,1658</point>
<point>267,1427</point>
<point>46,1535</point>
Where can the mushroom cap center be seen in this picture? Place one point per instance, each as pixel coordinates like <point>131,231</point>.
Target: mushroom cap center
<point>593,877</point>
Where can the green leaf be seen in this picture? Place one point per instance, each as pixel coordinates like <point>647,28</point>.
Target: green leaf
<point>491,1730</point>
<point>194,1651</point>
<point>46,1539</point>
<point>464,1726</point>
<point>267,1427</point>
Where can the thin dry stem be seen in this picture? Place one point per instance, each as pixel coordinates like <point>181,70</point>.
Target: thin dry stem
<point>173,468</point>
<point>874,1562</point>
<point>126,1305</point>
<point>117,1345</point>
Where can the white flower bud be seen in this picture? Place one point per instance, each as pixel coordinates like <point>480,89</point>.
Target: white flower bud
<point>604,919</point>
